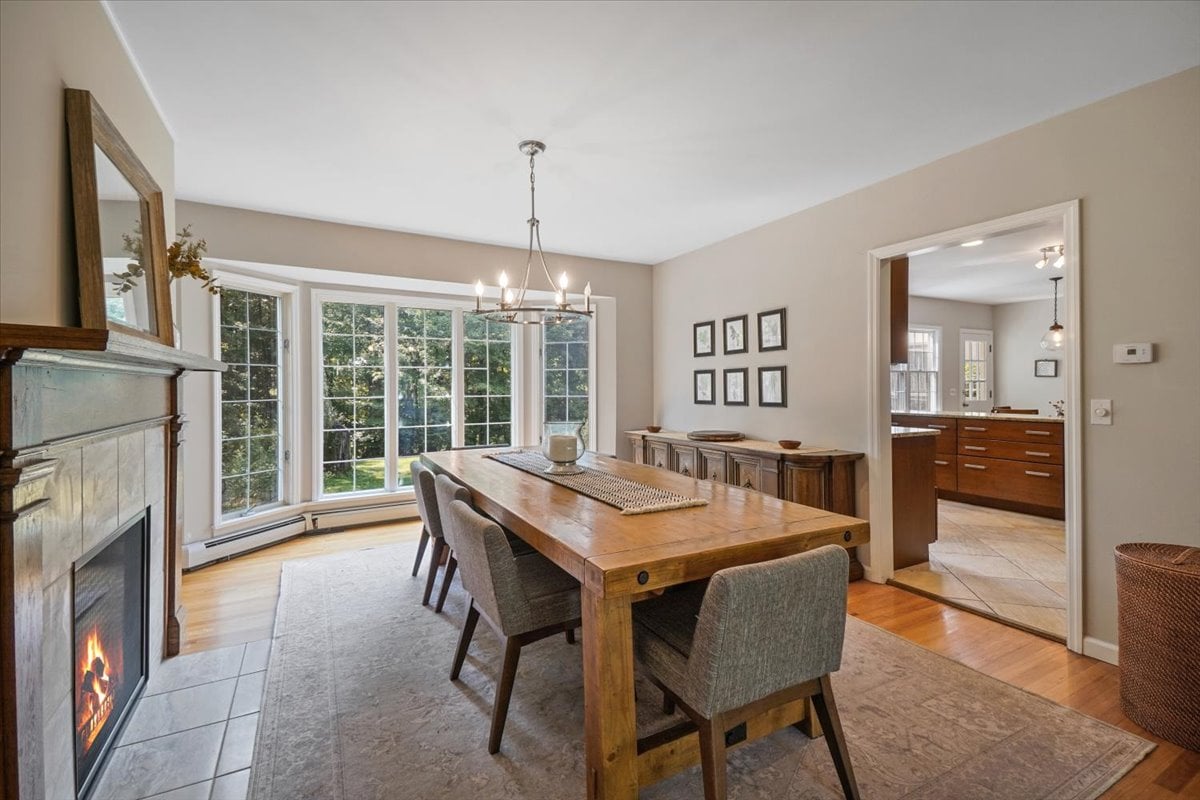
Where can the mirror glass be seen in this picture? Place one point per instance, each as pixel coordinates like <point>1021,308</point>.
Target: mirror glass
<point>127,282</point>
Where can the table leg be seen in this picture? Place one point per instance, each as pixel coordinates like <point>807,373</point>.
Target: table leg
<point>610,723</point>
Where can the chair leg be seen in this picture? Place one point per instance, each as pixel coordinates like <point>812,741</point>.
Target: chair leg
<point>570,636</point>
<point>420,550</point>
<point>512,653</point>
<point>438,546</point>
<point>451,565</point>
<point>712,759</point>
<point>835,737</point>
<point>464,640</point>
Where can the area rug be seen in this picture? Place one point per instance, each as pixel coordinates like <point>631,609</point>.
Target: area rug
<point>359,705</point>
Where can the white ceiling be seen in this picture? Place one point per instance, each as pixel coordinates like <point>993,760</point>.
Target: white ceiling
<point>1001,270</point>
<point>670,125</point>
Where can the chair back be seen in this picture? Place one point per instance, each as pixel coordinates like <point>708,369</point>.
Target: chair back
<point>487,566</point>
<point>767,627</point>
<point>447,490</point>
<point>427,504</point>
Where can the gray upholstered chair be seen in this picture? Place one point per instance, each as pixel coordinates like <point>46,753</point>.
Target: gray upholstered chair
<point>425,490</point>
<point>522,598</point>
<point>757,637</point>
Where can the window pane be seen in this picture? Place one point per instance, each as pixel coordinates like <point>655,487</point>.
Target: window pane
<point>565,378</point>
<point>425,357</point>
<point>487,415</point>
<point>352,356</point>
<point>251,444</point>
<point>914,386</point>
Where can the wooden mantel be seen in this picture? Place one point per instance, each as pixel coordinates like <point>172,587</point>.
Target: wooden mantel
<point>66,392</point>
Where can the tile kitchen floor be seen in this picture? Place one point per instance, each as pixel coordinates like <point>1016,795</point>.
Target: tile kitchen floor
<point>191,736</point>
<point>1004,564</point>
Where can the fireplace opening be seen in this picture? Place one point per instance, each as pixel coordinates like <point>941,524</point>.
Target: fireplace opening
<point>110,624</point>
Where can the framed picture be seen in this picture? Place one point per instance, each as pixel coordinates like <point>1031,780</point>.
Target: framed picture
<point>704,336</point>
<point>772,330</point>
<point>702,388</point>
<point>735,335</point>
<point>735,387</point>
<point>772,386</point>
<point>1045,368</point>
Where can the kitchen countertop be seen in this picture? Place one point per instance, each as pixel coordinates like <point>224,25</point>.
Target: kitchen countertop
<point>900,432</point>
<point>981,415</point>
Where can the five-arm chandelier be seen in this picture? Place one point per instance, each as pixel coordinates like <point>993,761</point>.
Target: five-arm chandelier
<point>510,304</point>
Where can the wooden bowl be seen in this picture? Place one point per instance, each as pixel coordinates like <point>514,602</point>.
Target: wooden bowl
<point>789,444</point>
<point>654,428</point>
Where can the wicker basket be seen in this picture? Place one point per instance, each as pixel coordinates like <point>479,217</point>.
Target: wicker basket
<point>1158,615</point>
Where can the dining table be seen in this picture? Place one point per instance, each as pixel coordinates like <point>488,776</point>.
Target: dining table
<point>620,559</point>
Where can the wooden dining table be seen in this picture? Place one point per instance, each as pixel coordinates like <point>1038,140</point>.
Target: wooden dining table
<point>619,559</point>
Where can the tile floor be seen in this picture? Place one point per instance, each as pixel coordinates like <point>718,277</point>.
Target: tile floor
<point>1009,565</point>
<point>192,735</point>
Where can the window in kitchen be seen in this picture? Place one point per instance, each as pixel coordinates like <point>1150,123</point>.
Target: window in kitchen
<point>914,386</point>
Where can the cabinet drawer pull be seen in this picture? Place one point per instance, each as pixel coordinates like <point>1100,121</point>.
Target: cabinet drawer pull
<point>659,465</point>
<point>973,428</point>
<point>940,463</point>
<point>747,484</point>
<point>1037,474</point>
<point>1037,433</point>
<point>684,471</point>
<point>974,447</point>
<point>939,427</point>
<point>974,466</point>
<point>1037,453</point>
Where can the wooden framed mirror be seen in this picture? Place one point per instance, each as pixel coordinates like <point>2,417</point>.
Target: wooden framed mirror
<point>120,230</point>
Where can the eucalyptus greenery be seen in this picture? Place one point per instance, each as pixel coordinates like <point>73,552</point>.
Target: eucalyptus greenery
<point>184,258</point>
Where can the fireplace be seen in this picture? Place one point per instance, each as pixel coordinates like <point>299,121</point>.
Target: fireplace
<point>109,664</point>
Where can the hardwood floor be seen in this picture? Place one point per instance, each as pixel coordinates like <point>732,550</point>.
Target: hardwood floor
<point>234,602</point>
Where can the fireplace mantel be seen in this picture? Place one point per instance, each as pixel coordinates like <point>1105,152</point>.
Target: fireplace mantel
<point>90,434</point>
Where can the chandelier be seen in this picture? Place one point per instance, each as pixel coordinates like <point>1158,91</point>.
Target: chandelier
<point>510,305</point>
<point>1047,252</point>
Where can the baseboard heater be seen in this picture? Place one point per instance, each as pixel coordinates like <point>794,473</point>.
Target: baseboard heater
<point>261,529</point>
<point>336,519</point>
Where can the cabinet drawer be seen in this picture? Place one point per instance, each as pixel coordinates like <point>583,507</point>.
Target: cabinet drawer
<point>712,465</point>
<point>656,454</point>
<point>945,472</point>
<point>1011,430</point>
<point>947,440</point>
<point>1018,481</point>
<point>683,460</point>
<point>1036,452</point>
<point>744,471</point>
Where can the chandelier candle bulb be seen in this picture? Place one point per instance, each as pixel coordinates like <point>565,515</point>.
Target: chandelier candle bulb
<point>562,448</point>
<point>478,295</point>
<point>503,279</point>
<point>587,296</point>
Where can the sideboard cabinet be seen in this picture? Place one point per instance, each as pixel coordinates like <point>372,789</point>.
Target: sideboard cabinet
<point>812,476</point>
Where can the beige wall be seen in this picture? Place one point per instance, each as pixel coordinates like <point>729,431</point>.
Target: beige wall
<point>1019,328</point>
<point>1134,161</point>
<point>239,235</point>
<point>46,47</point>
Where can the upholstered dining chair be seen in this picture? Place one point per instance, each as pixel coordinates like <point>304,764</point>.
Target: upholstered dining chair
<point>522,598</point>
<point>425,490</point>
<point>757,637</point>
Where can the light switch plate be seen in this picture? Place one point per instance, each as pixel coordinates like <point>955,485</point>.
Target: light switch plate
<point>1101,412</point>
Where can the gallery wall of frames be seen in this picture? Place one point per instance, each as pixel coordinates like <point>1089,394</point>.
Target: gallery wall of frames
<point>735,341</point>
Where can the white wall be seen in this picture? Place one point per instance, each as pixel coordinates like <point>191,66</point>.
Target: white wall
<point>1019,328</point>
<point>623,323</point>
<point>951,316</point>
<point>1139,186</point>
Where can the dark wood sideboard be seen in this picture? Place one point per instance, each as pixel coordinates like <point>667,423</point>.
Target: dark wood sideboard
<point>812,476</point>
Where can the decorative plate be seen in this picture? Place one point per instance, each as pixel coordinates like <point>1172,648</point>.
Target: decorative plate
<point>716,436</point>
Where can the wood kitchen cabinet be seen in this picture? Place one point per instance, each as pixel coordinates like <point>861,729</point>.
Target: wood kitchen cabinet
<point>899,309</point>
<point>811,476</point>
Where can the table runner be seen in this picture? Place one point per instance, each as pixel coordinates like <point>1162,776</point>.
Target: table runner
<point>629,496</point>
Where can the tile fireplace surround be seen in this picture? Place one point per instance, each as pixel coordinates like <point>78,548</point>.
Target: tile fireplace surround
<point>89,435</point>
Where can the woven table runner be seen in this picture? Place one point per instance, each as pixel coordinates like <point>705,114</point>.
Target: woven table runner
<point>629,496</point>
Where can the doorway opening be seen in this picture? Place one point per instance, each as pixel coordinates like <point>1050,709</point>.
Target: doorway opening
<point>981,487</point>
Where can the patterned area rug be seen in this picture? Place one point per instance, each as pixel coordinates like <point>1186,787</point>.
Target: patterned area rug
<point>359,705</point>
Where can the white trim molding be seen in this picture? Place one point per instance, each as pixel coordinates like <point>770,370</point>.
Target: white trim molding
<point>1100,649</point>
<point>879,562</point>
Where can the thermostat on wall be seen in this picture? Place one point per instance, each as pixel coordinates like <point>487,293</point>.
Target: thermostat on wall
<point>1137,353</point>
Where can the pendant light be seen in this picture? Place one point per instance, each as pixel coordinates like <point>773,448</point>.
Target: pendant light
<point>510,303</point>
<point>1047,252</point>
<point>1054,338</point>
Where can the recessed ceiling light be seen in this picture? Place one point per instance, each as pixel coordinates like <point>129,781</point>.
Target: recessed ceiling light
<point>973,243</point>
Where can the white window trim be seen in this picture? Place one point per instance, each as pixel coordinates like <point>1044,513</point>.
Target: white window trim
<point>289,384</point>
<point>537,414</point>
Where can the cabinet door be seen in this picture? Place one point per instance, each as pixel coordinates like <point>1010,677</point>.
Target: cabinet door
<point>807,484</point>
<point>657,452</point>
<point>744,471</point>
<point>712,465</point>
<point>638,445</point>
<point>945,472</point>
<point>683,460</point>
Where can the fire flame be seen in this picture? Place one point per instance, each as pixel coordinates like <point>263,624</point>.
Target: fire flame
<point>97,684</point>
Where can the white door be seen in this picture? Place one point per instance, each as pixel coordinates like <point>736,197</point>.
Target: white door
<point>975,375</point>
